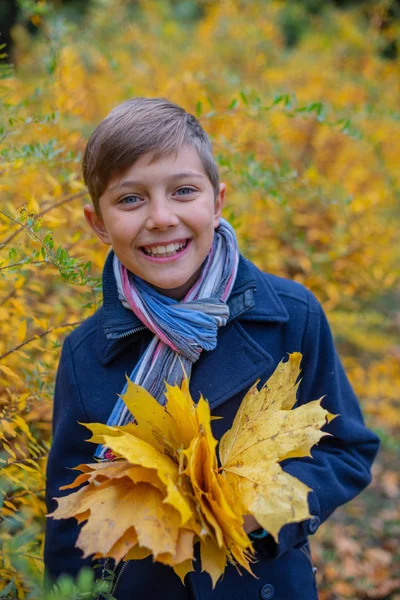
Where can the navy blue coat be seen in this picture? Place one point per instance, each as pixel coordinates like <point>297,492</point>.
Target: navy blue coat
<point>269,317</point>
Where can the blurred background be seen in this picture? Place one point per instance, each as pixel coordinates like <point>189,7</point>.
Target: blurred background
<point>302,102</point>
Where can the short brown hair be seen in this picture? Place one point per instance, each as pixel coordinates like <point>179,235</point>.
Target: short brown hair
<point>134,128</point>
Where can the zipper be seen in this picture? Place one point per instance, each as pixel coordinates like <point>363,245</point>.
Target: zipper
<point>123,568</point>
<point>116,336</point>
<point>103,576</point>
<point>307,554</point>
<point>236,315</point>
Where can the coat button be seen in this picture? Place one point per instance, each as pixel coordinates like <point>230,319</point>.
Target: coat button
<point>267,591</point>
<point>313,524</point>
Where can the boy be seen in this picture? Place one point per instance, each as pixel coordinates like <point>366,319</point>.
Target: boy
<point>177,291</point>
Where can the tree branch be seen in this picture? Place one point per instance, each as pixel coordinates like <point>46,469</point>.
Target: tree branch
<point>37,336</point>
<point>40,214</point>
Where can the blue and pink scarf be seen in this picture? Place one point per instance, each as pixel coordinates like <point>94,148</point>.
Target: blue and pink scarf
<point>181,329</point>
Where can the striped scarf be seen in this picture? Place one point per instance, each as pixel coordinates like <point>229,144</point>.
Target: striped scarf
<point>181,329</point>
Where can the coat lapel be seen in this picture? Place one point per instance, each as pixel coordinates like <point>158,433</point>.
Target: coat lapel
<point>234,365</point>
<point>238,360</point>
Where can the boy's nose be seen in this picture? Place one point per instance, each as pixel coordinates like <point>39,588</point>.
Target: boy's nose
<point>161,215</point>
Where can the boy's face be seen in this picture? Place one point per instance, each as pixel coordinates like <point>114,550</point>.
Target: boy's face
<point>159,217</point>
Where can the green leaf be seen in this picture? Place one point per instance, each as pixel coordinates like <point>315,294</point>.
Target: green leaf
<point>244,97</point>
<point>85,580</point>
<point>12,255</point>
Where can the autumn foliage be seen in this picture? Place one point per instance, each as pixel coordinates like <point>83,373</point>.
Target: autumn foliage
<point>307,138</point>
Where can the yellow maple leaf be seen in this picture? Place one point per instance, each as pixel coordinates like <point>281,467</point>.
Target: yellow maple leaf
<point>165,492</point>
<point>265,431</point>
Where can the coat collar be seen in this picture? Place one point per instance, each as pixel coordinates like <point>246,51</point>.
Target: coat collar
<point>252,299</point>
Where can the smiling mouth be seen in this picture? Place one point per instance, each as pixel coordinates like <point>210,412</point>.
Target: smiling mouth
<point>165,251</point>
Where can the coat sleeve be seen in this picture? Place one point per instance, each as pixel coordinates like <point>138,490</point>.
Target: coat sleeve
<point>68,450</point>
<point>340,465</point>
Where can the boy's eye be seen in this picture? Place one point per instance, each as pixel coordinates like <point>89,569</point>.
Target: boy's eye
<point>132,199</point>
<point>185,191</point>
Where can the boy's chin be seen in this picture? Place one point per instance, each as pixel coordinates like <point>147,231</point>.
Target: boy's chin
<point>179,291</point>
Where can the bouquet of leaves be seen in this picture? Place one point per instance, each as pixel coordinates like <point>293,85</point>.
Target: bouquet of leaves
<point>165,490</point>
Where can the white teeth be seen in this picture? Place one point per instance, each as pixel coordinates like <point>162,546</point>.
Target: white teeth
<point>163,250</point>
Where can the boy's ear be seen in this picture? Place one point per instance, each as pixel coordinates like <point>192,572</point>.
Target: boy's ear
<point>219,203</point>
<point>96,223</point>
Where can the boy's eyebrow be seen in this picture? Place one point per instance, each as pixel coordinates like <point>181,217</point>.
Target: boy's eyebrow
<point>130,182</point>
